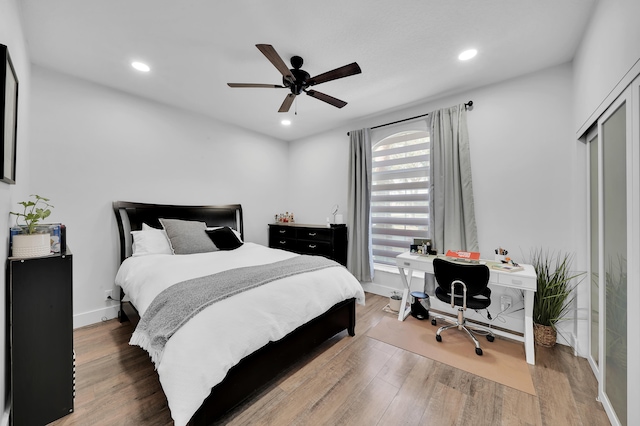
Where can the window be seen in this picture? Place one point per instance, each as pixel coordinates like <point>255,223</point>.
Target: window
<point>399,193</point>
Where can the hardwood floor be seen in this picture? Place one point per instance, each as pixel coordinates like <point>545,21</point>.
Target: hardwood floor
<point>347,381</point>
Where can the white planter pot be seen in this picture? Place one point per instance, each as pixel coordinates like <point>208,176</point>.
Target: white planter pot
<point>34,245</point>
<point>394,304</point>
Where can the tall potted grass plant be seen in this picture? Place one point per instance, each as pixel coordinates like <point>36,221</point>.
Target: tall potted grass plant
<point>555,293</point>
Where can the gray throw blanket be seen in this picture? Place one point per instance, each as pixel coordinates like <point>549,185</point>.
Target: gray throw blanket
<point>176,305</point>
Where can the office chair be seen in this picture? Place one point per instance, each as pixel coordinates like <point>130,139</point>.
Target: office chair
<point>467,283</point>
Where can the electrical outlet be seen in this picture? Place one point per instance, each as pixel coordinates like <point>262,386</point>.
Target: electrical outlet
<point>505,303</point>
<point>107,294</point>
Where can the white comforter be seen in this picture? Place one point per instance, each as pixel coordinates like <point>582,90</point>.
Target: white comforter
<point>198,355</point>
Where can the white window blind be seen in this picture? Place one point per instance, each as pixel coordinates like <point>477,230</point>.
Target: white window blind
<point>399,193</point>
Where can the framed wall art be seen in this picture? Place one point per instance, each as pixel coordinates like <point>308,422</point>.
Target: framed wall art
<point>8,117</point>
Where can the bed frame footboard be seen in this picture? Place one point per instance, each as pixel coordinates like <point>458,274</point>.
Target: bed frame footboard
<point>256,370</point>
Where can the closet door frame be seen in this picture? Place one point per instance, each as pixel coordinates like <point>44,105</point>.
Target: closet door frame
<point>594,133</point>
<point>633,265</point>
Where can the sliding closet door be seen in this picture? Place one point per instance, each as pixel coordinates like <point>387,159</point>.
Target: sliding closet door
<point>614,237</point>
<point>614,130</point>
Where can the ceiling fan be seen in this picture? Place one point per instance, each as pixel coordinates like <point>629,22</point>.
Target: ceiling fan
<point>298,80</point>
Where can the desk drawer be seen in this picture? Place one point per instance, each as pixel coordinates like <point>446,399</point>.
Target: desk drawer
<point>513,280</point>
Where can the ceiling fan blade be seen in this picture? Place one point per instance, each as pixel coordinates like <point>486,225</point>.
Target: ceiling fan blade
<point>273,57</point>
<point>341,72</point>
<point>270,86</point>
<point>326,98</point>
<point>287,103</point>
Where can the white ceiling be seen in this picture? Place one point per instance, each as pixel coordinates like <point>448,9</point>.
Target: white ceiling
<point>407,50</point>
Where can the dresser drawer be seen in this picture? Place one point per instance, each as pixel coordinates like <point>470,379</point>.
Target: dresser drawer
<point>314,234</point>
<point>283,243</point>
<point>314,247</point>
<point>280,232</point>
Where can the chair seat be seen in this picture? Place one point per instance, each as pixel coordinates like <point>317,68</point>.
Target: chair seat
<point>480,301</point>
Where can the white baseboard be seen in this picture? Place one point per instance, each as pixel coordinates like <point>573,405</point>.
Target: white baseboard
<point>93,317</point>
<point>378,289</point>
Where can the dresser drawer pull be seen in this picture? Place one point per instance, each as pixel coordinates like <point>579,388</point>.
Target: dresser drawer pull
<point>517,282</point>
<point>407,263</point>
<point>312,246</point>
<point>283,242</point>
<point>282,231</point>
<point>312,234</point>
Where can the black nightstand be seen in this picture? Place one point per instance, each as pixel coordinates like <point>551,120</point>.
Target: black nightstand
<point>40,337</point>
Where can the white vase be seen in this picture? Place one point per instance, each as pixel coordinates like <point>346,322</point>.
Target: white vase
<point>31,245</point>
<point>394,304</point>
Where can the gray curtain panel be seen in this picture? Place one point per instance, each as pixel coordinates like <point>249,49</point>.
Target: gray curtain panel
<point>452,218</point>
<point>359,254</point>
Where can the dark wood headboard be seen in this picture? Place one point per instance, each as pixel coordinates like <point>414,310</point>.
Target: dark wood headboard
<point>131,216</point>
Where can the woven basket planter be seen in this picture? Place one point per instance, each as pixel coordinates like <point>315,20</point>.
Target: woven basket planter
<point>544,335</point>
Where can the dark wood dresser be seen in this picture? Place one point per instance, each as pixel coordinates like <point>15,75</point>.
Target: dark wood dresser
<point>325,241</point>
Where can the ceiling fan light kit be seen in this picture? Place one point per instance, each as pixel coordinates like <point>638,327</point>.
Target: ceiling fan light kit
<point>298,80</point>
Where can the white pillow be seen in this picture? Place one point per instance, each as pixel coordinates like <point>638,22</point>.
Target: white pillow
<point>213,228</point>
<point>150,241</point>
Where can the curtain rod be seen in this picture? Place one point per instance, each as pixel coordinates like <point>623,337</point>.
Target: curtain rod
<point>467,105</point>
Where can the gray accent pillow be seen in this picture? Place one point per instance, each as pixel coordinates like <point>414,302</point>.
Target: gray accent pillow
<point>187,236</point>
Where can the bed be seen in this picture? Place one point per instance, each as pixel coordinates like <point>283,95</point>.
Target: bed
<point>206,367</point>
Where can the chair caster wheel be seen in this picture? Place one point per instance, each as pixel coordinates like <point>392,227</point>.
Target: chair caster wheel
<point>490,338</point>
<point>438,338</point>
<point>479,351</point>
<point>433,322</point>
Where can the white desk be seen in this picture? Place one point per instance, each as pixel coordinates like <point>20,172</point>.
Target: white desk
<point>523,280</point>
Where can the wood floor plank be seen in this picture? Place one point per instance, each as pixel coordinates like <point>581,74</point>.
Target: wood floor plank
<point>368,406</point>
<point>445,407</point>
<point>557,405</point>
<point>409,405</point>
<point>346,381</point>
<point>396,370</point>
<point>520,408</point>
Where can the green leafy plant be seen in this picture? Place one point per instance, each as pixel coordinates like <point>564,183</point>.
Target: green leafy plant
<point>34,212</point>
<point>556,282</point>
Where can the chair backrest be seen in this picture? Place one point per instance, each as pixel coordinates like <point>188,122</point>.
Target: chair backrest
<point>475,276</point>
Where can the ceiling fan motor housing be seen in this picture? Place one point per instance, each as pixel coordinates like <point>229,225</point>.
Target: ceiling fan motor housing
<point>301,76</point>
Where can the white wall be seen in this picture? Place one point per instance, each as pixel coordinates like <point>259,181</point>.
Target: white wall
<point>93,145</point>
<point>524,159</point>
<point>522,148</point>
<point>609,49</point>
<point>12,36</point>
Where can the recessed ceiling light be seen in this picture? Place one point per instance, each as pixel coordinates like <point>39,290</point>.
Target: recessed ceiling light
<point>140,66</point>
<point>467,54</point>
<point>286,122</point>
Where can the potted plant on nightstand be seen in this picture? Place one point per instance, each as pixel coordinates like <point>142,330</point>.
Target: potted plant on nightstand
<point>29,242</point>
<point>554,295</point>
